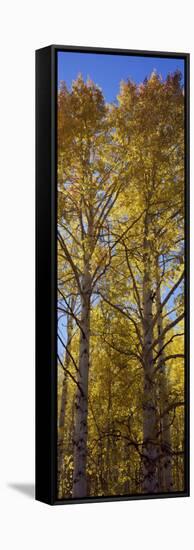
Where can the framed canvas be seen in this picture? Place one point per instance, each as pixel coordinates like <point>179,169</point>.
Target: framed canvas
<point>112,274</point>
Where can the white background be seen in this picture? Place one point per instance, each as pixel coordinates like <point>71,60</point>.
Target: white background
<point>25,26</point>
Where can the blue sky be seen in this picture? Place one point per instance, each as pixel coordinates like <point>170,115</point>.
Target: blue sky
<point>108,70</point>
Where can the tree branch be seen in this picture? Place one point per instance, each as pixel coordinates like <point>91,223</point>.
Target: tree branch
<point>167,298</point>
<point>71,375</point>
<point>69,258</point>
<point>69,353</point>
<point>166,329</point>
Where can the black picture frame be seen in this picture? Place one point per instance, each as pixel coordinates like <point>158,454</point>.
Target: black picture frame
<point>46,272</point>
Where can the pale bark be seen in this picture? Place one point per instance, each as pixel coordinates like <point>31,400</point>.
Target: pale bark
<point>163,392</point>
<point>128,483</point>
<point>108,442</point>
<point>61,435</point>
<point>150,448</point>
<point>81,400</point>
<point>61,426</point>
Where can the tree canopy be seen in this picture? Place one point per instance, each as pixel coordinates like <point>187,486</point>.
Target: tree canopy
<point>121,288</point>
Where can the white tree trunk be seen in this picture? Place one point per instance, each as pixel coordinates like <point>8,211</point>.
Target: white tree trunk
<point>81,401</point>
<point>61,436</point>
<point>61,426</point>
<point>109,440</point>
<point>165,435</point>
<point>150,449</point>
